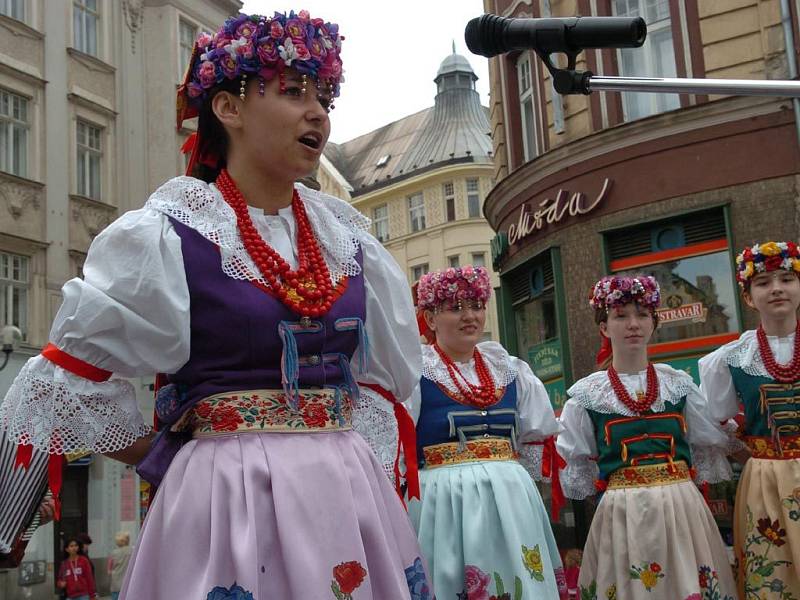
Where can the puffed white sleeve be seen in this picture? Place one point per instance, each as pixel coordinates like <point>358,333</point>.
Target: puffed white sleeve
<point>717,385</point>
<point>577,446</point>
<point>129,316</point>
<point>392,358</point>
<point>537,421</point>
<point>707,440</point>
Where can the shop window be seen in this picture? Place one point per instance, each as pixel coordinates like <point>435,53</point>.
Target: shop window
<point>689,257</point>
<point>656,58</point>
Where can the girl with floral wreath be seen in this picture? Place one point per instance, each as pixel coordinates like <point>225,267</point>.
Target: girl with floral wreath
<point>639,432</point>
<point>761,371</point>
<point>256,297</point>
<point>480,519</point>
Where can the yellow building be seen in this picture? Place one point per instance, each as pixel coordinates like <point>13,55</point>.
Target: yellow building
<point>422,180</point>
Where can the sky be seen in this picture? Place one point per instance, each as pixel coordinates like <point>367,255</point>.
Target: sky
<point>386,77</point>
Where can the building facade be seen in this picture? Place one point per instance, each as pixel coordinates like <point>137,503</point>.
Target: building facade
<point>87,132</point>
<point>423,179</point>
<point>668,185</point>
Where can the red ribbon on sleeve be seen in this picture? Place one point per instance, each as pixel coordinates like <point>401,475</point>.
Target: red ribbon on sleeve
<point>552,463</point>
<point>408,442</point>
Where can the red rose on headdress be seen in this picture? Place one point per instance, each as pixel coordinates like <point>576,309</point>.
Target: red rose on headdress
<point>791,249</point>
<point>295,29</point>
<point>246,30</point>
<point>276,30</point>
<point>773,263</point>
<point>747,255</point>
<point>317,49</point>
<point>302,51</point>
<point>207,74</point>
<point>349,575</point>
<point>267,50</point>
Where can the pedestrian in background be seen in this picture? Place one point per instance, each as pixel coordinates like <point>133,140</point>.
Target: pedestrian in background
<point>75,575</point>
<point>118,562</point>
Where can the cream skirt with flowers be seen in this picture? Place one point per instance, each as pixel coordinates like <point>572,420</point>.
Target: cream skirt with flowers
<point>767,530</point>
<point>655,543</point>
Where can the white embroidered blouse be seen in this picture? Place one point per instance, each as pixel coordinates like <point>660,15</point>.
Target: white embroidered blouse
<point>130,315</point>
<point>577,444</point>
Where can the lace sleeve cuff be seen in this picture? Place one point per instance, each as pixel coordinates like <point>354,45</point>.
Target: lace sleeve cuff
<point>710,464</point>
<point>373,418</point>
<point>58,412</point>
<point>577,479</point>
<point>530,457</point>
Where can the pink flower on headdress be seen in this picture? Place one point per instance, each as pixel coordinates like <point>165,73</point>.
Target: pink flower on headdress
<point>467,271</point>
<point>245,50</point>
<point>317,49</point>
<point>331,69</point>
<point>304,16</point>
<point>267,50</point>
<point>301,52</point>
<point>317,22</point>
<point>207,74</point>
<point>222,40</point>
<point>276,30</point>
<point>204,39</point>
<point>194,90</point>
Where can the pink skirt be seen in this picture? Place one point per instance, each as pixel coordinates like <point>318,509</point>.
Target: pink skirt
<point>258,516</point>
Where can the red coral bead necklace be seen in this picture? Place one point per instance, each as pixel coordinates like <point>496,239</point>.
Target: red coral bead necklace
<point>789,373</point>
<point>307,290</point>
<point>481,395</point>
<point>639,404</point>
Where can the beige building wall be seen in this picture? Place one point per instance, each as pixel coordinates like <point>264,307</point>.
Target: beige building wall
<point>113,100</point>
<point>432,248</point>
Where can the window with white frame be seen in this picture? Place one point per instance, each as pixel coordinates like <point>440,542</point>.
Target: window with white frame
<point>90,159</point>
<point>13,134</point>
<point>14,283</point>
<point>449,200</point>
<point>526,107</point>
<point>380,222</point>
<point>418,271</point>
<point>13,8</point>
<point>187,34</point>
<point>85,25</point>
<point>656,58</point>
<point>478,259</point>
<point>473,199</point>
<point>416,212</point>
<point>453,261</point>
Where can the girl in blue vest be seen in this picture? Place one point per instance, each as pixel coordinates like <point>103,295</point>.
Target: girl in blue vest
<point>481,522</point>
<point>640,432</point>
<point>761,371</point>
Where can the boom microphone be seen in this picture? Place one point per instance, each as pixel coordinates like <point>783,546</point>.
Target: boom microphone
<point>489,35</point>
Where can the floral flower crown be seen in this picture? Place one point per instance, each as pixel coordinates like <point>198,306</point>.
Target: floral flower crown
<point>453,284</point>
<point>255,45</point>
<point>769,256</point>
<point>617,290</point>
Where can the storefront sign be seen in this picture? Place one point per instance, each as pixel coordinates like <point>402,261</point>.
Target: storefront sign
<point>545,359</point>
<point>694,312</point>
<point>719,508</point>
<point>550,211</point>
<point>557,391</point>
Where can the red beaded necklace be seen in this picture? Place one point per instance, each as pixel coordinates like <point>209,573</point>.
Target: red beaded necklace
<point>789,373</point>
<point>307,290</point>
<point>481,395</point>
<point>640,404</point>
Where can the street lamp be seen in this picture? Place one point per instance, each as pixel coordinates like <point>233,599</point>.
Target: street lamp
<point>10,336</point>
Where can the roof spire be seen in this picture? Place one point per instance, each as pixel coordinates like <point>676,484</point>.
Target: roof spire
<point>454,46</point>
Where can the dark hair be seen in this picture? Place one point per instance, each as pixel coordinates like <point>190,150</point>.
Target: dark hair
<point>67,542</point>
<point>212,135</point>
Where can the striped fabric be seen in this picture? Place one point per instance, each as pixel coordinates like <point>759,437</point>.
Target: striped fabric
<point>21,493</point>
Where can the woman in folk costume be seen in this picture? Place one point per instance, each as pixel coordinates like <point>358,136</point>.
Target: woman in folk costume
<point>481,522</point>
<point>257,297</point>
<point>639,432</point>
<point>761,370</point>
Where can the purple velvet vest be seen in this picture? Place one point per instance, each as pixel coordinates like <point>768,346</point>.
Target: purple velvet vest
<point>243,338</point>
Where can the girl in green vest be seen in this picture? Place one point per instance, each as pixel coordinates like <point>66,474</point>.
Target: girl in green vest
<point>761,370</point>
<point>639,433</point>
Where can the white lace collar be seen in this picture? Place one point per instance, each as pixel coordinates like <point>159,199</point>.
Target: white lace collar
<point>199,205</point>
<point>595,392</point>
<point>744,354</point>
<point>497,359</point>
